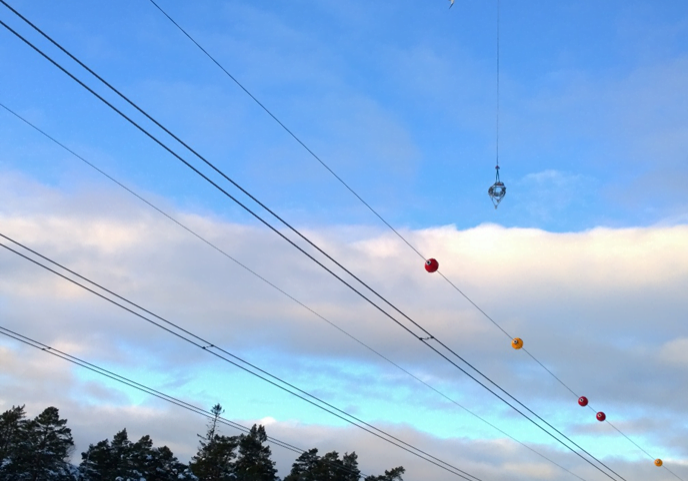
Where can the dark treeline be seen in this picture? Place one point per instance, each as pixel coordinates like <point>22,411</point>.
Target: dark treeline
<point>39,449</point>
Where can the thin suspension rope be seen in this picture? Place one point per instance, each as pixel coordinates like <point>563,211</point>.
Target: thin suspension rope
<point>424,340</point>
<point>224,253</point>
<point>366,204</point>
<point>212,348</point>
<point>499,9</point>
<point>146,389</point>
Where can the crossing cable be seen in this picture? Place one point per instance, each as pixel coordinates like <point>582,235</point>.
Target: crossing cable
<point>377,214</point>
<point>422,339</point>
<point>274,286</point>
<point>211,348</point>
<point>148,390</point>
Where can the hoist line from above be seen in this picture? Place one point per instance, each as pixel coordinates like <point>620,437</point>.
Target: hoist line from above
<point>211,348</point>
<point>497,191</point>
<point>143,388</point>
<point>424,340</point>
<point>277,288</point>
<point>499,20</point>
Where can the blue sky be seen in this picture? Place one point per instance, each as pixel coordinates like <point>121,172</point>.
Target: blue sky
<point>400,99</point>
<point>584,258</point>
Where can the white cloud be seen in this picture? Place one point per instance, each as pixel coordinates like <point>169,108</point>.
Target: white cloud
<point>601,308</point>
<point>675,352</point>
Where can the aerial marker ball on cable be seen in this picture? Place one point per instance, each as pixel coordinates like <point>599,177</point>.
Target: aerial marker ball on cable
<point>601,416</point>
<point>583,401</point>
<point>517,343</point>
<point>431,265</point>
<point>658,462</point>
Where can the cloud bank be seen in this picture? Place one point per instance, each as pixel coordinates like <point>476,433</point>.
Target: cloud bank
<point>603,309</point>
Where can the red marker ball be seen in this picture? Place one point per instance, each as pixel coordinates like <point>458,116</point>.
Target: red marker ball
<point>601,416</point>
<point>583,401</point>
<point>431,265</point>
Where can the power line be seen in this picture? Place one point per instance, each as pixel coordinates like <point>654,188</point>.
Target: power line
<point>377,214</point>
<point>148,390</point>
<point>212,348</point>
<point>224,253</point>
<point>422,339</point>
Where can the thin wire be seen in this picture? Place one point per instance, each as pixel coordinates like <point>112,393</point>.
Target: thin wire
<point>224,253</point>
<point>424,340</point>
<point>676,475</point>
<point>473,304</point>
<point>142,387</point>
<point>208,346</point>
<point>652,457</point>
<point>499,8</point>
<point>286,129</point>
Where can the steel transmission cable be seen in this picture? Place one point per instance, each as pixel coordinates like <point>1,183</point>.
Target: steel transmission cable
<point>422,339</point>
<point>148,390</point>
<point>373,210</point>
<point>211,348</point>
<point>277,288</point>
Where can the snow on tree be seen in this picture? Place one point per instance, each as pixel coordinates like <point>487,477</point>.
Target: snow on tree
<point>38,449</point>
<point>123,460</point>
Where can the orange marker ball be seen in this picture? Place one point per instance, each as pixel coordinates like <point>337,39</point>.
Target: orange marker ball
<point>517,343</point>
